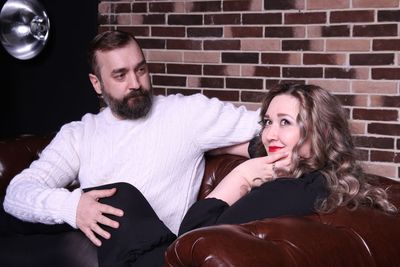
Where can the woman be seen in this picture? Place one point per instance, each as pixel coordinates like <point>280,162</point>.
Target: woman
<point>310,150</point>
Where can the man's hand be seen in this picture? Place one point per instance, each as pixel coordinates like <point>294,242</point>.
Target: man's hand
<point>90,213</point>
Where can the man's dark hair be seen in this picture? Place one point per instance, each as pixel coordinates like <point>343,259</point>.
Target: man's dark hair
<point>106,41</point>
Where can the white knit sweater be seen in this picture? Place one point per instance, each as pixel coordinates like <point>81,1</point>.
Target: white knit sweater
<point>161,155</point>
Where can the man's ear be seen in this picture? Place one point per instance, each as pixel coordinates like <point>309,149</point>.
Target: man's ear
<point>95,83</point>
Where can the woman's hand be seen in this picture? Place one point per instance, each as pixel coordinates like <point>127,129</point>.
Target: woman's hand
<point>250,173</point>
<point>260,170</point>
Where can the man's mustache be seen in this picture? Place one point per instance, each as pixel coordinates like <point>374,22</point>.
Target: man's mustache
<point>135,93</point>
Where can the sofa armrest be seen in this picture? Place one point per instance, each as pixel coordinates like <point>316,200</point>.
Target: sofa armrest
<point>17,154</point>
<point>363,237</point>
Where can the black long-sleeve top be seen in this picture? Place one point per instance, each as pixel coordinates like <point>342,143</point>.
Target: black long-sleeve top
<point>283,196</point>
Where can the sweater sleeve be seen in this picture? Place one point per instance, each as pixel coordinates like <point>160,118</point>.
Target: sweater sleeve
<point>216,124</point>
<point>37,194</point>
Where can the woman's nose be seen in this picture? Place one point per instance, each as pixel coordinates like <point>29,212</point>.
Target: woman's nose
<point>270,133</point>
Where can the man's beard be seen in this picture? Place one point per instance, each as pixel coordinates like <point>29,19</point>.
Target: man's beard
<point>135,105</point>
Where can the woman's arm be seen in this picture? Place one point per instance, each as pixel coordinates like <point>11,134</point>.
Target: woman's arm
<point>249,174</point>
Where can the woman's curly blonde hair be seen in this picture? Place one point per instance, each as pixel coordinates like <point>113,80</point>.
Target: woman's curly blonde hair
<point>323,120</point>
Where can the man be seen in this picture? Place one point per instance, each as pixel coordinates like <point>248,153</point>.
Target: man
<point>154,143</point>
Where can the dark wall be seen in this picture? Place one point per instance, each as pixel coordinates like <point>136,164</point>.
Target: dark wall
<point>39,95</point>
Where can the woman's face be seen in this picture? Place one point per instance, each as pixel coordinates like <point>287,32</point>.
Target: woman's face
<point>282,132</point>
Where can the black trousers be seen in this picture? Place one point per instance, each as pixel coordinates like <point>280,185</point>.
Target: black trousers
<point>141,239</point>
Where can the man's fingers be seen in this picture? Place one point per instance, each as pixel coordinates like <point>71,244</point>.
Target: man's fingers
<point>102,193</point>
<point>100,231</point>
<point>111,210</point>
<point>92,237</point>
<point>107,221</point>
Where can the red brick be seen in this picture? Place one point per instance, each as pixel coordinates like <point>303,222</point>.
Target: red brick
<point>239,57</point>
<point>375,114</point>
<point>156,67</point>
<point>348,45</point>
<point>250,96</point>
<point>335,31</point>
<point>204,32</point>
<point>151,19</point>
<point>280,58</point>
<point>151,43</point>
<point>238,5</point>
<point>264,18</point>
<point>328,4</point>
<point>162,7</point>
<point>389,15</point>
<point>302,45</point>
<point>352,16</point>
<point>169,80</point>
<point>374,87</point>
<point>205,6</point>
<point>159,91</point>
<point>300,72</point>
<point>168,31</point>
<point>184,69</point>
<point>225,95</point>
<point>136,31</point>
<point>261,71</point>
<point>121,7</point>
<point>222,45</point>
<point>219,70</point>
<point>374,142</point>
<point>323,59</point>
<point>385,156</point>
<point>283,4</point>
<point>374,3</point>
<point>375,30</point>
<point>186,44</point>
<point>241,32</point>
<point>185,19</point>
<point>269,83</point>
<point>222,19</point>
<point>281,32</point>
<point>341,73</point>
<point>384,129</point>
<point>398,144</point>
<point>386,73</point>
<point>305,18</point>
<point>386,101</point>
<point>371,59</point>
<point>211,82</point>
<point>244,83</point>
<point>139,8</point>
<point>386,44</point>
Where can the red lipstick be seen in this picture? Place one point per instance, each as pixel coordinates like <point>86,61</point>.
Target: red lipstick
<point>274,148</point>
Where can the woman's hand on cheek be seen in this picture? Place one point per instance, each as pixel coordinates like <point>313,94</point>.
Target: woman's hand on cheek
<point>260,170</point>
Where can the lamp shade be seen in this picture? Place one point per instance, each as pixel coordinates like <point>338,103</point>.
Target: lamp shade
<point>24,28</point>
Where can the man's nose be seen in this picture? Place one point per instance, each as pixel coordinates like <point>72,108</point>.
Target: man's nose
<point>133,82</point>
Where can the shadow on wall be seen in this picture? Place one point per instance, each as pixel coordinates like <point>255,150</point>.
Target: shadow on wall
<point>39,95</point>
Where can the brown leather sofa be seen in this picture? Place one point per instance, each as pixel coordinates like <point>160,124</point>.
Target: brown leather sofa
<point>364,238</point>
<point>361,238</point>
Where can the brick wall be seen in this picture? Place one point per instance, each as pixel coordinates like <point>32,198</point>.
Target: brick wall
<point>236,50</point>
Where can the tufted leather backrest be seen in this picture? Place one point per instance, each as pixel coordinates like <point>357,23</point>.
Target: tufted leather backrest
<point>16,154</point>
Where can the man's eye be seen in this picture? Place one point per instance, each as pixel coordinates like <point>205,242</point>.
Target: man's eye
<point>142,70</point>
<point>119,76</point>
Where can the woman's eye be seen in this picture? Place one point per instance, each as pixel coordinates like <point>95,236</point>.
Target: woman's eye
<point>284,122</point>
<point>265,122</point>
